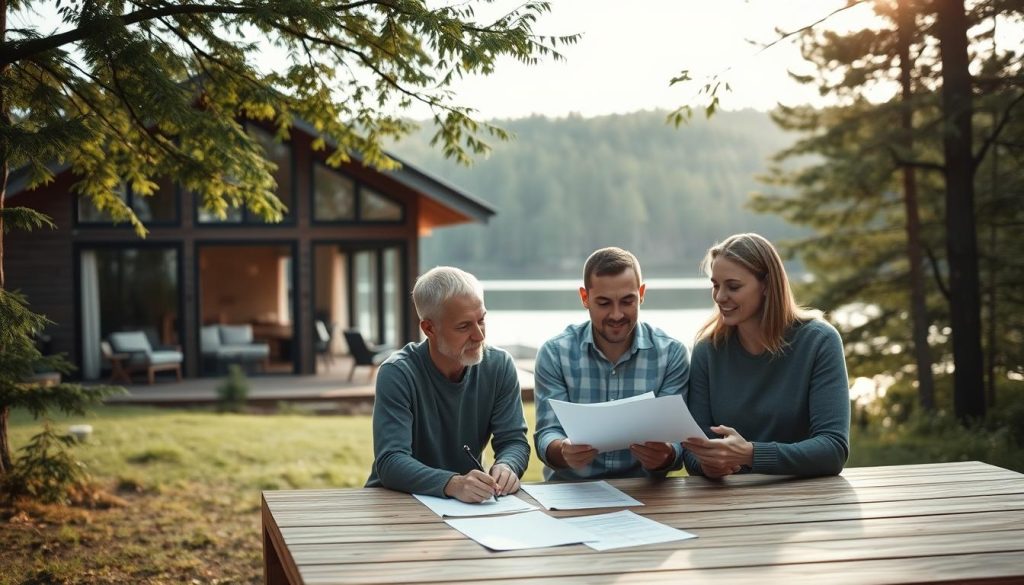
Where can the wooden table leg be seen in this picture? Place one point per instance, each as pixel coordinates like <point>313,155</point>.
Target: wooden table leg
<point>275,554</point>
<point>273,571</point>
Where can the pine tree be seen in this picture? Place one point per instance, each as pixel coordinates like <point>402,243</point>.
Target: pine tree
<point>851,196</point>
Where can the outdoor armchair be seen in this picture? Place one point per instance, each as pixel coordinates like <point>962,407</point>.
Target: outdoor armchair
<point>231,344</point>
<point>365,355</point>
<point>130,352</point>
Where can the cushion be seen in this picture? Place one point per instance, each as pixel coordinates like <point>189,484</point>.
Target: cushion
<point>235,334</point>
<point>250,352</point>
<point>165,357</point>
<point>209,338</point>
<point>130,342</point>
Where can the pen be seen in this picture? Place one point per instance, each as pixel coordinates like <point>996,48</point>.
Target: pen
<point>469,453</point>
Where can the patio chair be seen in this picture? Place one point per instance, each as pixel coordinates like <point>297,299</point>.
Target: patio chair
<point>232,344</point>
<point>365,355</point>
<point>322,342</point>
<point>130,352</point>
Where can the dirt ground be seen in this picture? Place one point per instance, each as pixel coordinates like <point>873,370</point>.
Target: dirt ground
<point>181,535</point>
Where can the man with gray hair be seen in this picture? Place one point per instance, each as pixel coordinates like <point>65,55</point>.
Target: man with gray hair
<point>439,401</point>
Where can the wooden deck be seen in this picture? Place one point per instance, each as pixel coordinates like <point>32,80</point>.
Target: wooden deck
<point>958,522</point>
<point>330,388</point>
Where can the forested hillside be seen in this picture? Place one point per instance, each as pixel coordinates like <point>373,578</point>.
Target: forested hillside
<point>566,186</point>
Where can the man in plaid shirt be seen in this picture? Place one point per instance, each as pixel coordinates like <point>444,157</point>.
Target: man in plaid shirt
<point>610,357</point>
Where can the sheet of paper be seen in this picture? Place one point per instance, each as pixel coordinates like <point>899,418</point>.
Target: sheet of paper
<point>609,426</point>
<point>578,495</point>
<point>622,529</point>
<point>452,507</point>
<point>519,531</point>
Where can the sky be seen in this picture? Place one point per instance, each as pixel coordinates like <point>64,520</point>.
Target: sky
<point>631,49</point>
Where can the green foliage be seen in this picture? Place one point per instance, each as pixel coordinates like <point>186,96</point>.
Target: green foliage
<point>127,94</point>
<point>568,186</point>
<point>19,360</point>
<point>233,392</point>
<point>24,218</point>
<point>45,471</point>
<point>842,180</point>
<point>938,437</point>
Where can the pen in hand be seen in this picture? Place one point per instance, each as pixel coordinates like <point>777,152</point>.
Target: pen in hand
<point>469,453</point>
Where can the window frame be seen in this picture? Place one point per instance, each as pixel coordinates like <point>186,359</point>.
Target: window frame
<point>358,187</point>
<point>129,197</point>
<point>250,219</point>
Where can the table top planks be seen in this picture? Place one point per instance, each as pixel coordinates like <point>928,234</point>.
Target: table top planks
<point>912,523</point>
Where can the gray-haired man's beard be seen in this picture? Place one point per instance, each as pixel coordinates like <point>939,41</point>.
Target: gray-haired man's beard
<point>465,358</point>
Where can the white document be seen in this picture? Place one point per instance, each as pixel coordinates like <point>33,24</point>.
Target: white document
<point>610,426</point>
<point>622,529</point>
<point>452,507</point>
<point>519,531</point>
<point>578,495</point>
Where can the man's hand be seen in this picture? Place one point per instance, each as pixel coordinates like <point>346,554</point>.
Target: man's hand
<point>472,488</point>
<point>652,455</point>
<point>563,453</point>
<point>506,479</point>
<point>721,457</point>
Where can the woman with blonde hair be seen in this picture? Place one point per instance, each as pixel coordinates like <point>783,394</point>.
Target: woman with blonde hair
<point>767,368</point>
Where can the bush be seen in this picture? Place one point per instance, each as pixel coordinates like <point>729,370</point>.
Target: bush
<point>46,471</point>
<point>233,393</point>
<point>939,437</point>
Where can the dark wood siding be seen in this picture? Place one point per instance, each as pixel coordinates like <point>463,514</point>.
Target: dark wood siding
<point>42,264</point>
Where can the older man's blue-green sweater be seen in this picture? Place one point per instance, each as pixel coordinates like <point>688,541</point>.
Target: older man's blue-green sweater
<point>421,420</point>
<point>794,407</point>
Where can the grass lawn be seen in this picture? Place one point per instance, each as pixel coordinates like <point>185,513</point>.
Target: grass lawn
<point>187,487</point>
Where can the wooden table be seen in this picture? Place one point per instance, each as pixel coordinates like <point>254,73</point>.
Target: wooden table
<point>910,523</point>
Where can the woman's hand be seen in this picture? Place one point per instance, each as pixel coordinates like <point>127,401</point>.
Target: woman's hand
<point>724,456</point>
<point>653,456</point>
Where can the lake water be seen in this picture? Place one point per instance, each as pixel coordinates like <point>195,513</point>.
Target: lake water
<point>529,312</point>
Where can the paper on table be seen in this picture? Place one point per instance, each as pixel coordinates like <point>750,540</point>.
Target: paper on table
<point>609,426</point>
<point>622,529</point>
<point>578,495</point>
<point>519,531</point>
<point>452,507</point>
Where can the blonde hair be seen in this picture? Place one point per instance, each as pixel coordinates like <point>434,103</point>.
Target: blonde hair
<point>779,310</point>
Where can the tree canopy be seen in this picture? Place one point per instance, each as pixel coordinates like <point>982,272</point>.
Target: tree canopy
<point>855,195</point>
<point>131,91</point>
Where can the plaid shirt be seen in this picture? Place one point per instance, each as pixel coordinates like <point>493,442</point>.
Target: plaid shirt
<point>571,368</point>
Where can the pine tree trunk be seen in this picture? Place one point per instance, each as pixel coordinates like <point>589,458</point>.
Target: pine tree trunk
<point>961,232</point>
<point>5,449</point>
<point>918,309</point>
<point>5,118</point>
<point>993,266</point>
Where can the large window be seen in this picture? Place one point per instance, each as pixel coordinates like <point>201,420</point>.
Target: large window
<point>278,153</point>
<point>376,207</point>
<point>161,207</point>
<point>361,288</point>
<point>246,301</point>
<point>127,289</point>
<point>337,198</point>
<point>334,195</point>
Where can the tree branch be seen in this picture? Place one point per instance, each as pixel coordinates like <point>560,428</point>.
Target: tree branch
<point>936,272</point>
<point>14,51</point>
<point>996,131</point>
